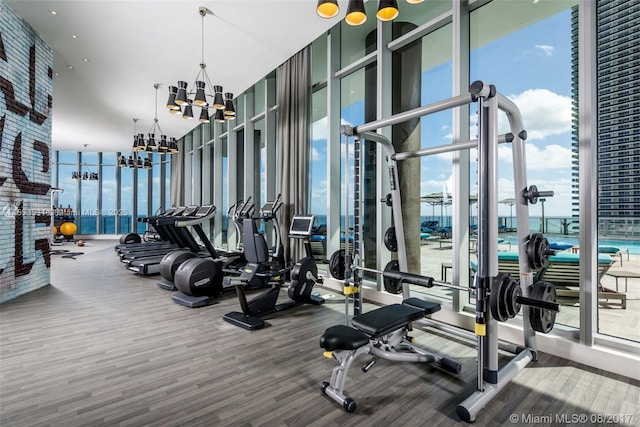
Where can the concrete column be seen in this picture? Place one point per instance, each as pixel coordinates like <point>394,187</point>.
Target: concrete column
<point>407,89</point>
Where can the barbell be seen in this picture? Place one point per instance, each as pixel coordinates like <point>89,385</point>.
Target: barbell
<point>505,294</point>
<point>392,276</point>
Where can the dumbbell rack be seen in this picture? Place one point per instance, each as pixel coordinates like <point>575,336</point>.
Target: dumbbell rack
<point>490,378</point>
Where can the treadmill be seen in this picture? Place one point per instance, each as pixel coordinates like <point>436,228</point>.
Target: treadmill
<point>177,239</point>
<point>151,265</point>
<point>166,239</point>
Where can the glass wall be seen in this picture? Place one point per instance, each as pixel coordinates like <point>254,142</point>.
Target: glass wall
<point>318,171</point>
<point>88,217</point>
<point>126,200</point>
<point>156,196</point>
<point>260,178</point>
<point>68,163</point>
<point>108,193</point>
<point>528,50</point>
<point>106,205</point>
<point>618,166</point>
<point>224,176</point>
<point>431,57</point>
<point>539,48</point>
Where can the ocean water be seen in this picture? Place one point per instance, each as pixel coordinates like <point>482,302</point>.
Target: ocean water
<point>557,230</point>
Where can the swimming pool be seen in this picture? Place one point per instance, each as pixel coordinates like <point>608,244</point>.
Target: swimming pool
<point>632,245</point>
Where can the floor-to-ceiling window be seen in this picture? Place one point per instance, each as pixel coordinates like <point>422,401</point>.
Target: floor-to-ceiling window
<point>523,48</point>
<point>108,193</point>
<point>156,195</point>
<point>126,200</point>
<point>618,167</point>
<point>260,171</point>
<point>529,61</point>
<point>318,170</point>
<point>225,188</point>
<point>88,194</point>
<point>67,165</point>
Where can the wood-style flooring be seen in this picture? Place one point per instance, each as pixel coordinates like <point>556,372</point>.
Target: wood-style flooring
<point>101,346</point>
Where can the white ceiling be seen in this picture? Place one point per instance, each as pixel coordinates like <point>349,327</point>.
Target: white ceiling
<point>131,45</point>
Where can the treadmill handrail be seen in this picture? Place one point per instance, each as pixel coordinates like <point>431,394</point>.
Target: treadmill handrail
<point>196,220</point>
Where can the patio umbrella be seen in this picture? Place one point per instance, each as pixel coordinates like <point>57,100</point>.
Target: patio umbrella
<point>435,199</point>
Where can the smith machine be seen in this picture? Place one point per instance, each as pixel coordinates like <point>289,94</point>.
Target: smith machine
<point>498,296</point>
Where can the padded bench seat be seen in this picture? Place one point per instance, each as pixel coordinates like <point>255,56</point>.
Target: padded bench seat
<point>376,323</point>
<point>386,319</point>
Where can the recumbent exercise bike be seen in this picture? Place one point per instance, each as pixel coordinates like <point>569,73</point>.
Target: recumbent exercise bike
<point>304,275</point>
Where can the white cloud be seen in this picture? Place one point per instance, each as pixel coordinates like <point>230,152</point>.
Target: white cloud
<point>545,49</point>
<point>549,157</point>
<point>320,128</point>
<point>315,155</point>
<point>544,113</point>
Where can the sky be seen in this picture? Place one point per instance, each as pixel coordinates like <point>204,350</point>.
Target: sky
<point>532,67</point>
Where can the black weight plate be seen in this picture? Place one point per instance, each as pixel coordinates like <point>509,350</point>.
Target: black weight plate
<point>497,296</point>
<point>391,240</point>
<point>543,253</point>
<point>337,265</point>
<point>393,286</point>
<point>532,250</point>
<point>543,320</point>
<point>513,292</point>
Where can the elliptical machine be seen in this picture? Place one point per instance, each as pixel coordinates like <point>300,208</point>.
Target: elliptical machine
<point>199,280</point>
<point>304,275</point>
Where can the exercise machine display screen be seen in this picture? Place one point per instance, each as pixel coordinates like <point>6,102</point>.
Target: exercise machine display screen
<point>301,226</point>
<point>204,210</point>
<point>267,209</point>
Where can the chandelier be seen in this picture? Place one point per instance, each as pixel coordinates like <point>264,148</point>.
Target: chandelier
<point>149,144</point>
<point>356,15</point>
<point>134,161</point>
<point>182,100</point>
<point>84,174</point>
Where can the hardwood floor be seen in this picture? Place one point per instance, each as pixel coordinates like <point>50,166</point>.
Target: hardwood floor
<point>104,347</point>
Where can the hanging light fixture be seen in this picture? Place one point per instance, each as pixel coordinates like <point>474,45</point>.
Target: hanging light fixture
<point>387,10</point>
<point>356,15</point>
<point>182,100</point>
<point>84,174</point>
<point>150,145</point>
<point>327,8</point>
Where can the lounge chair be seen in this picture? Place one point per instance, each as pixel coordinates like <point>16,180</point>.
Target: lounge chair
<point>613,251</point>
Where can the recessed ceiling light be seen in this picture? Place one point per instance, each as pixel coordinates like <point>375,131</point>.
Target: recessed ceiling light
<point>70,67</point>
<point>53,12</point>
<point>85,59</point>
<point>74,36</point>
<point>56,74</point>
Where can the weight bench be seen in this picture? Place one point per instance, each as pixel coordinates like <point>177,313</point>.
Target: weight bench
<point>382,333</point>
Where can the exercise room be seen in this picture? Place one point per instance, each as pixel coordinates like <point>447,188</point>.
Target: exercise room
<point>319,212</point>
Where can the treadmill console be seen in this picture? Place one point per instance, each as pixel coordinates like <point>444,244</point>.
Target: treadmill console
<point>301,226</point>
<point>205,210</point>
